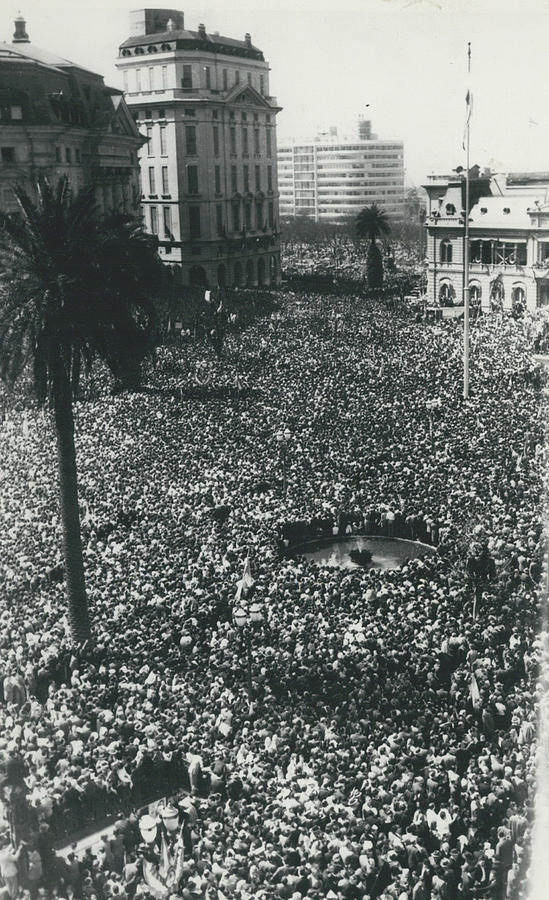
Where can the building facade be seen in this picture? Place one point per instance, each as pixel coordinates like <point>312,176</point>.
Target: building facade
<point>508,239</point>
<point>57,118</point>
<point>208,167</point>
<point>329,179</point>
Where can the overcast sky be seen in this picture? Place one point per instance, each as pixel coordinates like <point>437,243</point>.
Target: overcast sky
<point>407,59</point>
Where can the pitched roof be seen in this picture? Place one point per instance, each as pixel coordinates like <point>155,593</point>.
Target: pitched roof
<point>495,215</point>
<point>36,54</point>
<point>182,34</point>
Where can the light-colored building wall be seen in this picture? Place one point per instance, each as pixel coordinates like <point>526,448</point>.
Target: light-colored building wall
<point>335,179</point>
<point>208,96</point>
<point>508,243</point>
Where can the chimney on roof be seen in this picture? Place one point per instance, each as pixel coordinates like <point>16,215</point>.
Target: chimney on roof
<point>20,35</point>
<point>202,30</point>
<point>248,39</point>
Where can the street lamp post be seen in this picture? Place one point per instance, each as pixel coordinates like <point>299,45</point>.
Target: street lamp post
<point>246,619</point>
<point>283,438</point>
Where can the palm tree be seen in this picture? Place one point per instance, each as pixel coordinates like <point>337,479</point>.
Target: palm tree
<point>371,223</point>
<point>72,288</point>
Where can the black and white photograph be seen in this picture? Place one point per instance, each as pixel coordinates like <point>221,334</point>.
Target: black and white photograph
<point>274,355</point>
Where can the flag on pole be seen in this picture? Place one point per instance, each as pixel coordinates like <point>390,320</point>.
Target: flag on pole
<point>475,693</point>
<point>245,583</point>
<point>469,109</point>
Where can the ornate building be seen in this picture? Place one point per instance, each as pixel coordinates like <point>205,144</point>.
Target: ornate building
<point>508,239</point>
<point>57,118</point>
<point>208,168</point>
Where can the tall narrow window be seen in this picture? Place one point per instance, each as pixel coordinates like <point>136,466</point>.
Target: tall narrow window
<point>167,217</point>
<point>269,178</point>
<point>261,84</point>
<point>271,214</point>
<point>248,215</point>
<point>152,181</point>
<point>194,221</point>
<point>234,179</point>
<point>256,141</point>
<point>165,180</point>
<point>217,172</point>
<point>258,178</point>
<point>151,78</point>
<point>269,142</point>
<point>236,215</point>
<point>150,149</point>
<point>154,220</point>
<point>245,147</point>
<point>190,139</point>
<point>125,76</point>
<point>246,178</point>
<point>249,77</point>
<point>225,80</point>
<point>237,77</point>
<point>163,150</point>
<point>219,217</point>
<point>259,214</point>
<point>216,139</point>
<point>232,139</point>
<point>192,179</point>
<point>164,77</point>
<point>187,80</point>
<point>208,77</point>
<point>138,79</point>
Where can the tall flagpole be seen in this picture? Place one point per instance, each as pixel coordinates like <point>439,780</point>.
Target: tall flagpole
<point>466,239</point>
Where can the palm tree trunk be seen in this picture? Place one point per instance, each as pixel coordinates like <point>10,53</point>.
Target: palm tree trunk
<point>68,496</point>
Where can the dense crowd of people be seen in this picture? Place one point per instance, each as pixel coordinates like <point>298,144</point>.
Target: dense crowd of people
<point>387,749</point>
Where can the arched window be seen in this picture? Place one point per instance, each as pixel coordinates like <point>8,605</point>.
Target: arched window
<point>450,209</point>
<point>518,298</point>
<point>446,251</point>
<point>250,274</point>
<point>273,268</point>
<point>446,294</point>
<point>475,294</point>
<point>261,271</point>
<point>197,276</point>
<point>237,274</point>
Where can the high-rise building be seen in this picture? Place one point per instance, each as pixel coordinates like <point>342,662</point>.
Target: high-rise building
<point>209,167</point>
<point>57,118</point>
<point>330,179</point>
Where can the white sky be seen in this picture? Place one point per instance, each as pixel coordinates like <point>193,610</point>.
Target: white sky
<point>406,58</point>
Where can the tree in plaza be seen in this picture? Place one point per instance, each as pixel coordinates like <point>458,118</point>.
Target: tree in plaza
<point>73,288</point>
<point>372,223</point>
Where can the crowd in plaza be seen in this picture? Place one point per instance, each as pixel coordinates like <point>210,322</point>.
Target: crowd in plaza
<point>388,747</point>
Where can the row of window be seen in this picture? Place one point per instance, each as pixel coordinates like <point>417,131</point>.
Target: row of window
<point>195,224</point>
<point>193,182</point>
<point>495,253</point>
<point>191,144</point>
<point>163,78</point>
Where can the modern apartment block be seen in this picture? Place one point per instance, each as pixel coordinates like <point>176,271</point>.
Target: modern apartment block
<point>330,179</point>
<point>209,165</point>
<point>57,118</point>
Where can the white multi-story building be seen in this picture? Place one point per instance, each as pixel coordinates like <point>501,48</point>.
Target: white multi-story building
<point>508,239</point>
<point>208,167</point>
<point>330,179</point>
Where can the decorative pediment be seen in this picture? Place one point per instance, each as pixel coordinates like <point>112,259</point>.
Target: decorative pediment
<point>246,95</point>
<point>121,121</point>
